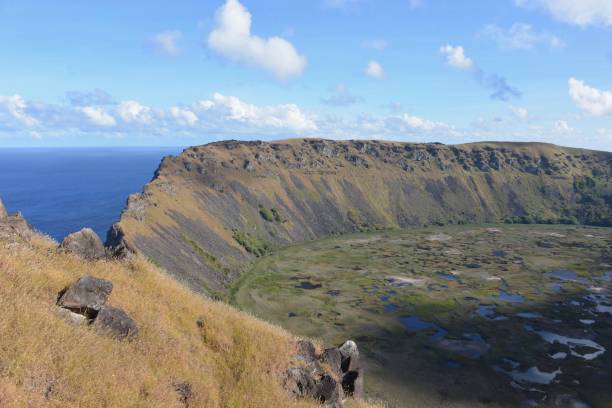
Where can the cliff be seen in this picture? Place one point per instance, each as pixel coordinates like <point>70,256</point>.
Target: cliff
<point>213,208</point>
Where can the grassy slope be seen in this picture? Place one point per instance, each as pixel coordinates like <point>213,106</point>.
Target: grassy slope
<point>185,219</point>
<point>235,361</point>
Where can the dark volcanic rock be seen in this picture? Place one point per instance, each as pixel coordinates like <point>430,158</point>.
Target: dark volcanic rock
<point>328,391</point>
<point>327,377</point>
<point>299,382</point>
<point>333,358</point>
<point>352,379</point>
<point>86,296</point>
<point>85,243</point>
<point>116,322</point>
<point>116,244</point>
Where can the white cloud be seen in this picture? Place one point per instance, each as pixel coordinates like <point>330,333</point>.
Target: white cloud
<point>232,110</point>
<point>576,12</point>
<point>378,44</point>
<point>184,116</point>
<point>521,36</point>
<point>501,90</point>
<point>455,57</point>
<point>520,113</point>
<point>232,39</point>
<point>98,116</point>
<point>134,112</point>
<point>562,127</point>
<point>591,100</point>
<point>166,42</point>
<point>422,124</point>
<point>374,70</point>
<point>17,109</point>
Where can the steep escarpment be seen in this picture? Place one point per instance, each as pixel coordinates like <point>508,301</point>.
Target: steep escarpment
<point>213,208</point>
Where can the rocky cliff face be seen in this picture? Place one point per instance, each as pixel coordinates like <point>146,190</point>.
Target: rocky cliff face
<point>213,208</point>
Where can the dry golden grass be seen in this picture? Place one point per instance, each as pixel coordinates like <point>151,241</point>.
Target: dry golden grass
<point>234,361</point>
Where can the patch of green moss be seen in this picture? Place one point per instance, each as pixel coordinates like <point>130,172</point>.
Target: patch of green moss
<point>251,243</point>
<point>211,260</point>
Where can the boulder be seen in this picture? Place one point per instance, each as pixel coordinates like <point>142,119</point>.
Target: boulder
<point>352,374</point>
<point>116,322</point>
<point>14,226</point>
<point>116,244</point>
<point>322,377</point>
<point>85,243</point>
<point>333,358</point>
<point>307,351</point>
<point>75,319</point>
<point>86,296</point>
<point>329,392</point>
<point>299,382</point>
<point>3,213</point>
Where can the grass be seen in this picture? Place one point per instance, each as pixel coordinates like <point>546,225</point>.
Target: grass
<point>234,360</point>
<point>405,367</point>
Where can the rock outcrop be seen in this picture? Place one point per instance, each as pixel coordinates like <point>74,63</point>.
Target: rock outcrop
<point>213,208</point>
<point>84,243</point>
<point>13,227</point>
<point>329,377</point>
<point>3,213</point>
<point>85,302</point>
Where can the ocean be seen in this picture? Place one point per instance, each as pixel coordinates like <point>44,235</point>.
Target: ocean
<point>60,191</point>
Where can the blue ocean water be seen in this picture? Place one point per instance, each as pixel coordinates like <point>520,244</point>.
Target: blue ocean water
<point>60,191</point>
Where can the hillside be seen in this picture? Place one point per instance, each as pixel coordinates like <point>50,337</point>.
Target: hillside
<point>214,208</point>
<point>187,351</point>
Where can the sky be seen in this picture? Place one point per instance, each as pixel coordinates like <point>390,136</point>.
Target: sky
<point>186,72</point>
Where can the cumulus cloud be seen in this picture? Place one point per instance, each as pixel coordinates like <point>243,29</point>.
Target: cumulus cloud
<point>218,116</point>
<point>374,70</point>
<point>591,100</point>
<point>16,109</point>
<point>183,116</point>
<point>98,116</point>
<point>134,112</point>
<point>288,117</point>
<point>521,36</point>
<point>232,39</point>
<point>455,57</point>
<point>167,42</point>
<point>577,12</point>
<point>340,96</point>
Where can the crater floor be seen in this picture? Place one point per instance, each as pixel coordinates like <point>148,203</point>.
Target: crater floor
<point>458,316</point>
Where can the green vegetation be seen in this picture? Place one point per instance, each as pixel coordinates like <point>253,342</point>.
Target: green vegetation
<point>361,285</point>
<point>271,215</point>
<point>251,243</point>
<point>276,215</point>
<point>211,260</point>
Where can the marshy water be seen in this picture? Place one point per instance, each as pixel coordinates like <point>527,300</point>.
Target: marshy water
<point>462,316</point>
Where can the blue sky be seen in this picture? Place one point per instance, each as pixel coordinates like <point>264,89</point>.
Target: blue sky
<point>117,73</point>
